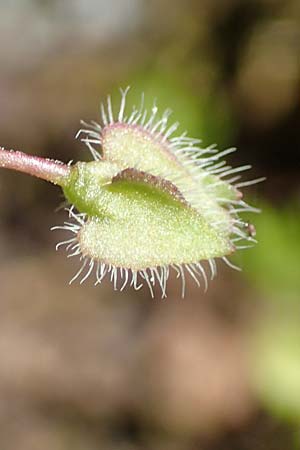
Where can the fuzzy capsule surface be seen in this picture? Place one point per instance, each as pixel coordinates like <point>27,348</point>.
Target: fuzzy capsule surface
<point>135,222</point>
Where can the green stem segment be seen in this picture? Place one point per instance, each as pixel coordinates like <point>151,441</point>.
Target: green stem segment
<point>54,171</point>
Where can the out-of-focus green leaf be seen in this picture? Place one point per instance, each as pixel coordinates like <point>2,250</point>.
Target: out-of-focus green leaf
<point>274,264</point>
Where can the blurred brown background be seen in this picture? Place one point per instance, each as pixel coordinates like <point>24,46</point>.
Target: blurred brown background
<point>87,368</point>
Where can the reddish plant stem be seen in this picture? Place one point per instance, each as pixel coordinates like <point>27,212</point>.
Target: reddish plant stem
<point>54,171</point>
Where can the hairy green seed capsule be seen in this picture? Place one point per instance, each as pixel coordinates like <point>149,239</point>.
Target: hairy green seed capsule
<point>150,201</point>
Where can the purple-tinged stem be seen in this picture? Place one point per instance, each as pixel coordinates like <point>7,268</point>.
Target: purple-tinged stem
<point>54,171</point>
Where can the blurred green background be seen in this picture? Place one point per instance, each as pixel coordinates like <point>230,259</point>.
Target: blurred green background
<point>87,368</point>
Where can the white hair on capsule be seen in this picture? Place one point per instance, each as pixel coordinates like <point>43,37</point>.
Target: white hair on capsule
<point>121,277</point>
<point>199,162</point>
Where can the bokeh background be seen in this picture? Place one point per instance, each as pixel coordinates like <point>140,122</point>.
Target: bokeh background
<point>87,368</point>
